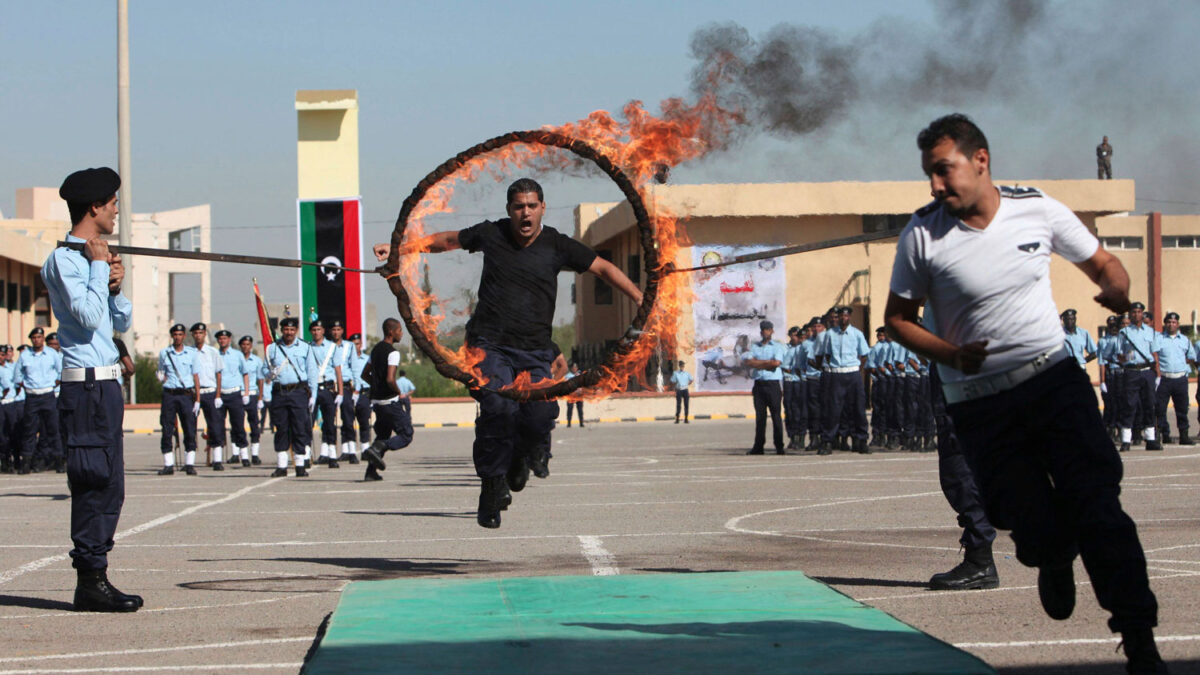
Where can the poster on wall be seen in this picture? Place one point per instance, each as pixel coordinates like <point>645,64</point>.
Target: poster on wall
<point>730,302</point>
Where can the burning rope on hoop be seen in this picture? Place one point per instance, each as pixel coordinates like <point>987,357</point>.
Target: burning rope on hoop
<point>654,273</point>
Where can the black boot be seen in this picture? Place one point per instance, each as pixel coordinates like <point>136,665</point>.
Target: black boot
<point>279,473</point>
<point>167,471</point>
<point>539,461</point>
<point>793,443</point>
<point>374,455</point>
<point>977,570</point>
<point>1141,651</point>
<point>1184,439</point>
<point>518,473</point>
<point>1154,444</point>
<point>218,466</point>
<point>1056,588</point>
<point>491,501</point>
<point>1124,447</point>
<point>93,593</point>
<point>826,448</point>
<point>137,599</point>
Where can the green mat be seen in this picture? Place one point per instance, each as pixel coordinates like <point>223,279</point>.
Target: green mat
<point>729,622</point>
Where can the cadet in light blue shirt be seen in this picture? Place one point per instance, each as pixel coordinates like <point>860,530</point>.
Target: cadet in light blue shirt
<point>39,368</point>
<point>1176,356</point>
<point>1079,343</point>
<point>255,372</point>
<point>358,359</point>
<point>765,359</point>
<point>842,354</point>
<point>328,359</point>
<point>10,411</point>
<point>293,374</point>
<point>1110,372</point>
<point>234,396</point>
<point>1139,364</point>
<point>795,400</point>
<point>180,401</point>
<point>37,373</point>
<point>681,379</point>
<point>210,368</point>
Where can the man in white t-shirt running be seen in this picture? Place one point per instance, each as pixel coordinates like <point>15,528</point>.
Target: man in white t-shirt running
<point>978,257</point>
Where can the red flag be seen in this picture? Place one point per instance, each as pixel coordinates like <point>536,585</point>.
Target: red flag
<point>268,334</point>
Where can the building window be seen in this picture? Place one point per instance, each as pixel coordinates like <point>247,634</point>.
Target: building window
<point>635,269</point>
<point>1124,243</point>
<point>885,223</point>
<point>186,240</point>
<point>572,292</point>
<point>1181,241</point>
<point>3,293</point>
<point>26,298</point>
<point>603,292</point>
<point>11,296</point>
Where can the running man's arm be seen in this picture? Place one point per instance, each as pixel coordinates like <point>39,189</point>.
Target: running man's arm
<point>900,317</point>
<point>439,242</point>
<point>1107,272</point>
<point>614,276</point>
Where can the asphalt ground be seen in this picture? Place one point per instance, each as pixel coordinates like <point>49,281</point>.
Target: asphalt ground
<point>239,570</point>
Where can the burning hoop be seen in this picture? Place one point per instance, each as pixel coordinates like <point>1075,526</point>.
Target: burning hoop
<point>654,273</point>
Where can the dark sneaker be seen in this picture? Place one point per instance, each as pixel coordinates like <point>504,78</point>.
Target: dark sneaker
<point>1056,588</point>
<point>374,455</point>
<point>1141,652</point>
<point>966,576</point>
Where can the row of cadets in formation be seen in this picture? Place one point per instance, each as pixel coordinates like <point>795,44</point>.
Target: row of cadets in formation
<point>30,433</point>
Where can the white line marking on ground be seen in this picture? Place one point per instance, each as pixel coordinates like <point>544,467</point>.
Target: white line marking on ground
<point>138,529</point>
<point>155,650</point>
<point>602,562</point>
<point>1075,641</point>
<point>150,669</point>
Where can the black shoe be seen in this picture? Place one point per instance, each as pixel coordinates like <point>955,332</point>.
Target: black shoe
<point>491,492</point>
<point>890,443</point>
<point>372,474</point>
<point>826,449</point>
<point>1056,588</point>
<point>844,443</point>
<point>279,473</point>
<point>861,447</point>
<point>539,462</point>
<point>1184,439</point>
<point>374,455</point>
<point>93,593</point>
<point>307,463</point>
<point>967,575</point>
<point>1141,652</point>
<point>245,463</point>
<point>353,459</point>
<point>217,466</point>
<point>60,466</point>
<point>685,420</point>
<point>1154,445</point>
<point>780,451</point>
<point>754,451</point>
<point>794,443</point>
<point>137,599</point>
<point>676,420</point>
<point>332,464</point>
<point>167,471</point>
<point>301,472</point>
<point>1124,447</point>
<point>518,474</point>
<point>255,460</point>
<point>189,470</point>
<point>1165,439</point>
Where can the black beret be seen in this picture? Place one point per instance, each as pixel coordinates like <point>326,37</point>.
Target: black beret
<point>354,337</point>
<point>178,328</point>
<point>815,319</point>
<point>199,326</point>
<point>793,330</point>
<point>844,310</point>
<point>90,185</point>
<point>1069,312</point>
<point>1137,305</point>
<point>336,323</point>
<point>37,331</point>
<point>317,324</point>
<point>879,330</point>
<point>1112,319</point>
<point>52,336</point>
<point>1171,315</point>
<point>3,349</point>
<point>289,321</point>
<point>224,333</point>
<point>766,325</point>
<point>245,338</point>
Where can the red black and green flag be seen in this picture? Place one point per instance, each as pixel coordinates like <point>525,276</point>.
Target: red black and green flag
<point>331,233</point>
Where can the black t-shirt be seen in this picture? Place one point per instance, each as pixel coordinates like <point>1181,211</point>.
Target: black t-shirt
<point>518,286</point>
<point>376,377</point>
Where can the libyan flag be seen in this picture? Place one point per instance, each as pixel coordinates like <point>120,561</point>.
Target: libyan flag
<point>331,233</point>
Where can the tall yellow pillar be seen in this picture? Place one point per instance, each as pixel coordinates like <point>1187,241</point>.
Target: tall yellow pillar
<point>327,143</point>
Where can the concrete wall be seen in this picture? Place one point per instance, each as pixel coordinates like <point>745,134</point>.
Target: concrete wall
<point>327,143</point>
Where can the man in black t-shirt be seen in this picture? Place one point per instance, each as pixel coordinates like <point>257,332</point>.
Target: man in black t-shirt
<point>393,422</point>
<point>512,324</point>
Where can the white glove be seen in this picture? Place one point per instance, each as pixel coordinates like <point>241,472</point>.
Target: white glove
<point>217,402</point>
<point>312,404</point>
<point>1104,387</point>
<point>245,399</point>
<point>337,400</point>
<point>261,404</point>
<point>1157,381</point>
<point>162,377</point>
<point>196,409</point>
<point>354,398</point>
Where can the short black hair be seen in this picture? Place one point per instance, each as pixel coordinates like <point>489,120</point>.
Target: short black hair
<point>80,209</point>
<point>523,185</point>
<point>389,325</point>
<point>958,128</point>
<point>399,373</point>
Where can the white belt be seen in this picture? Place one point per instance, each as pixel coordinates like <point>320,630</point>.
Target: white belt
<point>385,401</point>
<point>112,372</point>
<point>968,390</point>
<point>38,391</point>
<point>908,374</point>
<point>1175,375</point>
<point>207,390</point>
<point>847,369</point>
<point>11,400</point>
<point>229,391</point>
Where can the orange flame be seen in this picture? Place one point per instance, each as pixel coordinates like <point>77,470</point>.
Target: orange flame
<point>640,145</point>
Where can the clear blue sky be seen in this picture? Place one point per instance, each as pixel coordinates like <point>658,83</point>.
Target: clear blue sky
<point>213,87</point>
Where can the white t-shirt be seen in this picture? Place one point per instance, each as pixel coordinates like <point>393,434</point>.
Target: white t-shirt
<point>991,284</point>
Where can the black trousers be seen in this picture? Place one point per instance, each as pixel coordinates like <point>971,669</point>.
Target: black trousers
<point>795,407</point>
<point>347,412</point>
<point>768,397</point>
<point>393,424</point>
<point>41,427</point>
<point>92,415</point>
<point>845,389</point>
<point>254,417</point>
<point>233,410</point>
<point>925,423</point>
<point>1173,389</point>
<point>505,426</point>
<point>813,390</point>
<point>293,423</point>
<point>362,412</point>
<point>177,406</point>
<point>956,477</point>
<point>213,419</point>
<point>682,398</point>
<point>577,405</point>
<point>879,406</point>
<point>11,436</point>
<point>1138,410</point>
<point>1048,472</point>
<point>328,411</point>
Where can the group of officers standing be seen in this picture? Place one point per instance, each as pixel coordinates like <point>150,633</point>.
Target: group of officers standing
<point>817,381</point>
<point>30,433</point>
<point>297,380</point>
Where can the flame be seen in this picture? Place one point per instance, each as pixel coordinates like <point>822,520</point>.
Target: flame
<point>641,144</point>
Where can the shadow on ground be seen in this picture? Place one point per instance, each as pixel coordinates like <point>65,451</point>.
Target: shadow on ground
<point>34,603</point>
<point>862,581</point>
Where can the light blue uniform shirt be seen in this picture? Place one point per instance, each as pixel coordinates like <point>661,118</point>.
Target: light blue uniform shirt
<point>7,371</point>
<point>789,363</point>
<point>253,368</point>
<point>357,363</point>
<point>87,314</point>
<point>208,363</point>
<point>233,364</point>
<point>38,370</point>
<point>265,375</point>
<point>1174,352</point>
<point>320,352</point>
<point>1079,345</point>
<point>405,386</point>
<point>811,372</point>
<point>1145,339</point>
<point>681,380</point>
<point>297,367</point>
<point>345,351</point>
<point>899,359</point>
<point>772,350</point>
<point>878,354</point>
<point>178,367</point>
<point>842,348</point>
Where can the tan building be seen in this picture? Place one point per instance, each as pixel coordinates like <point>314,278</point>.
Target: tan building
<point>1152,248</point>
<point>42,218</point>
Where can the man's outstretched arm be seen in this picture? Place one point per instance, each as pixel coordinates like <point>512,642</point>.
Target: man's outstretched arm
<point>900,317</point>
<point>439,242</point>
<point>610,273</point>
<point>1107,272</point>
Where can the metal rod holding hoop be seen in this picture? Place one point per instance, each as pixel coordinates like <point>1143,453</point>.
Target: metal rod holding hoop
<point>799,248</point>
<point>217,257</point>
